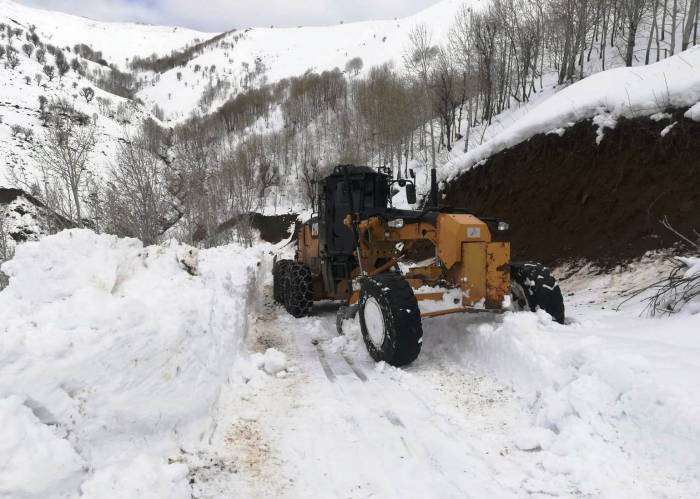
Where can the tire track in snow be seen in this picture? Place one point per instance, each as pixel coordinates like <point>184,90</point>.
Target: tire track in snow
<point>379,392</point>
<point>373,431</point>
<point>324,364</point>
<point>358,372</point>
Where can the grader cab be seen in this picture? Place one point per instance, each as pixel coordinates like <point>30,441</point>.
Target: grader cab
<point>382,261</point>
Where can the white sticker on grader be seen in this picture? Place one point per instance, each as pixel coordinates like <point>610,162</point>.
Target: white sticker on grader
<point>473,232</point>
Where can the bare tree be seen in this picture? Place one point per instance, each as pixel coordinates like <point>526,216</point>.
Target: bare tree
<point>354,66</point>
<point>61,65</point>
<point>238,172</point>
<point>28,49</point>
<point>138,191</point>
<point>49,71</point>
<point>11,57</point>
<point>419,62</point>
<point>445,94</point>
<point>691,22</point>
<point>633,11</point>
<point>65,154</point>
<point>88,93</point>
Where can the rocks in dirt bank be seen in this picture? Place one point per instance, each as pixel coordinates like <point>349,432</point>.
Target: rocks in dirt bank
<point>566,197</point>
<point>25,218</point>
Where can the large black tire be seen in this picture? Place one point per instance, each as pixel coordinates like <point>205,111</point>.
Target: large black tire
<point>298,290</point>
<point>279,270</point>
<point>535,287</point>
<point>390,319</point>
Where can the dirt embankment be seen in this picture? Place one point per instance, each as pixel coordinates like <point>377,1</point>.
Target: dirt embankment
<point>273,228</point>
<point>568,198</point>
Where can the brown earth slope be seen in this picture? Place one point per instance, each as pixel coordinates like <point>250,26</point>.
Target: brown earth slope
<point>568,198</point>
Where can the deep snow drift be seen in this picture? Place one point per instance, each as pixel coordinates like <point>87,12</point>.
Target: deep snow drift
<point>112,357</point>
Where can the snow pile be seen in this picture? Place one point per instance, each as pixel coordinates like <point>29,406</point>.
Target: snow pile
<point>112,356</point>
<point>273,362</point>
<point>34,458</point>
<point>605,97</point>
<point>144,477</point>
<point>597,392</point>
<point>694,112</point>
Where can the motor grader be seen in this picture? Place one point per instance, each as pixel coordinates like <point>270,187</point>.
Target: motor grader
<point>381,262</point>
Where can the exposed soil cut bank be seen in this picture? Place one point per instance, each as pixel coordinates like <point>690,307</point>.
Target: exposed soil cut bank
<point>273,228</point>
<point>569,198</point>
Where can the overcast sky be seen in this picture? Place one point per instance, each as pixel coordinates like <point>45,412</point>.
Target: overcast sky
<point>222,15</point>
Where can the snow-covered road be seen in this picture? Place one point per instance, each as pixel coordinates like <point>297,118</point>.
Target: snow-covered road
<point>513,406</point>
<point>123,375</point>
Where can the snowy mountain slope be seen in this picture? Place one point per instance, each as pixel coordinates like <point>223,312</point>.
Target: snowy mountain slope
<point>231,60</point>
<point>19,106</point>
<point>287,52</point>
<point>117,41</point>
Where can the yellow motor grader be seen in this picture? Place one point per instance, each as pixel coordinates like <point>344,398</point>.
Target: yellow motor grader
<point>381,262</point>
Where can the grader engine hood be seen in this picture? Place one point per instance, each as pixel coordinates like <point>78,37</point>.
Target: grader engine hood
<point>466,256</point>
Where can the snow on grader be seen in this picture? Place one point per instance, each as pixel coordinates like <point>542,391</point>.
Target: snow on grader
<point>381,261</point>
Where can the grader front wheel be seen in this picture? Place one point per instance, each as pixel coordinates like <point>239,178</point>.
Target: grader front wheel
<point>390,319</point>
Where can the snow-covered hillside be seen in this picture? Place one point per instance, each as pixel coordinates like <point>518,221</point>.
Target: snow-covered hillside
<point>280,53</point>
<point>22,86</point>
<point>117,41</point>
<point>235,61</point>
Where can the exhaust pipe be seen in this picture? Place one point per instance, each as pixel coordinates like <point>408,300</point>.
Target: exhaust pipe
<point>433,188</point>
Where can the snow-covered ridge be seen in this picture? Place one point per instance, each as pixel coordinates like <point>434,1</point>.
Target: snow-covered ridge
<point>287,52</point>
<point>117,41</point>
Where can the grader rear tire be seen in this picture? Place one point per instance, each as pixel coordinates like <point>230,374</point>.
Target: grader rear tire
<point>298,290</point>
<point>279,271</point>
<point>535,287</point>
<point>390,319</point>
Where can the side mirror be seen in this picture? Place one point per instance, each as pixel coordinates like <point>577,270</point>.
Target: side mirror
<point>411,193</point>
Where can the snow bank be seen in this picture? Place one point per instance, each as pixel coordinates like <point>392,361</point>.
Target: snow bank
<point>694,112</point>
<point>110,351</point>
<point>620,92</point>
<point>34,459</point>
<point>597,392</point>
